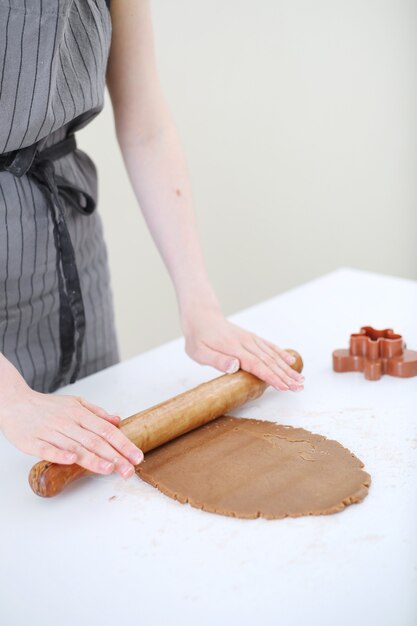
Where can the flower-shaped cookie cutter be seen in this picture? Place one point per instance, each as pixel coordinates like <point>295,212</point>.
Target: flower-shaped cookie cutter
<point>376,352</point>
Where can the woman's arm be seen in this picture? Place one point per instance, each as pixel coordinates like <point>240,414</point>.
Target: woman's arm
<point>157,170</point>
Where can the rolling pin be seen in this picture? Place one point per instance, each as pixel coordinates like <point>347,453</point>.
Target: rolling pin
<point>163,422</point>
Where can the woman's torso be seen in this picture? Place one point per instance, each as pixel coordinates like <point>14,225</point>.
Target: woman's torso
<point>53,58</point>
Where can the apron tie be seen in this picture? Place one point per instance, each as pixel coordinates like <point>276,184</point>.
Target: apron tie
<point>40,165</point>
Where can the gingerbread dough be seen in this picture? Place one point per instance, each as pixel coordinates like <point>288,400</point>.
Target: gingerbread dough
<point>251,468</point>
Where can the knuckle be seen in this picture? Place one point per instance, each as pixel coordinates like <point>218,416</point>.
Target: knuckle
<point>282,375</point>
<point>42,447</point>
<point>262,371</point>
<point>93,443</point>
<point>221,364</point>
<point>42,433</point>
<point>74,402</point>
<point>281,381</point>
<point>94,462</point>
<point>125,447</point>
<point>287,369</point>
<point>269,360</point>
<point>91,463</point>
<point>61,424</point>
<point>59,455</point>
<point>73,446</point>
<point>257,367</point>
<point>282,385</point>
<point>108,431</point>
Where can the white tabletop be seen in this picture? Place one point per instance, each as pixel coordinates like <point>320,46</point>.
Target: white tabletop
<point>109,552</point>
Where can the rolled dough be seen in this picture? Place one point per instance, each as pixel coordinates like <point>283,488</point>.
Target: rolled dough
<point>251,468</point>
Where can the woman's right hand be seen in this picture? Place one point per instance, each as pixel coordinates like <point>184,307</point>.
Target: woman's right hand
<point>62,428</point>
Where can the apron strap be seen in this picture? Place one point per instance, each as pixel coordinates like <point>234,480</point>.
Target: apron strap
<point>40,165</point>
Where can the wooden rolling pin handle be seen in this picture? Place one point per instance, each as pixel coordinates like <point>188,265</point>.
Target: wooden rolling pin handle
<point>163,422</point>
<point>47,479</point>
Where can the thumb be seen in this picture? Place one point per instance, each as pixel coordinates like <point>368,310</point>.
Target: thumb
<point>231,365</point>
<point>223,362</point>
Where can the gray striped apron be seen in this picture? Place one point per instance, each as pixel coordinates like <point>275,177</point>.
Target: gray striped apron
<point>56,306</point>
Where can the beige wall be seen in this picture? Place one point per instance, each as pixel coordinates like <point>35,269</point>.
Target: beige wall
<point>298,119</point>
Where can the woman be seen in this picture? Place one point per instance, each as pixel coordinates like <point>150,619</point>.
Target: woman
<point>56,315</point>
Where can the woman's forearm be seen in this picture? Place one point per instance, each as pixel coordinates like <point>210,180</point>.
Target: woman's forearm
<point>152,151</point>
<point>157,170</point>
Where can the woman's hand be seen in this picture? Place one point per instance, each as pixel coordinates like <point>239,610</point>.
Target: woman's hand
<point>63,429</point>
<point>210,339</point>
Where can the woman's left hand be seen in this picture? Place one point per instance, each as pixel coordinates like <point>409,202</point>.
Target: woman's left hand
<point>210,339</point>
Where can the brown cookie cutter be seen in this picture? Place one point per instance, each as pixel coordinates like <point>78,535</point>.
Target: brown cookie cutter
<point>376,352</point>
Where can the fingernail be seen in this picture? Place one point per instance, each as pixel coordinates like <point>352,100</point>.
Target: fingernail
<point>127,473</point>
<point>137,457</point>
<point>233,367</point>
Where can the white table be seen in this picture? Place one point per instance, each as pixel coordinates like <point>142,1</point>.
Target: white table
<point>110,552</point>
